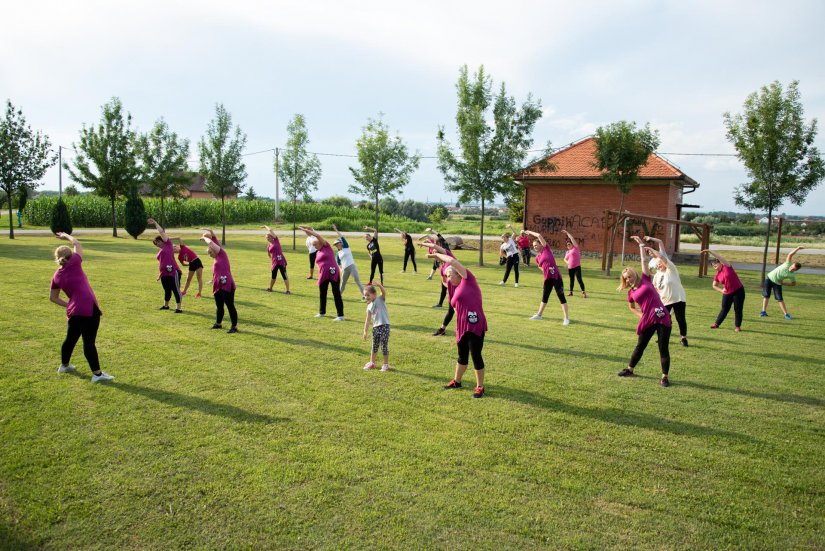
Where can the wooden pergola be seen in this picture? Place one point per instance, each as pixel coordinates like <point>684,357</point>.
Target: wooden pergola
<point>613,218</point>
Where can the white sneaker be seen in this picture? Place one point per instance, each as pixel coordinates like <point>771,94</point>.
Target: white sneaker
<point>429,277</point>
<point>385,367</point>
<point>501,283</point>
<point>566,322</point>
<point>536,317</point>
<point>102,377</point>
<point>320,315</point>
<point>516,285</point>
<point>66,369</point>
<point>339,318</point>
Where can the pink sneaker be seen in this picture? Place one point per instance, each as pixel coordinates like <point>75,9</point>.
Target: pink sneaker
<point>369,365</point>
<point>385,367</point>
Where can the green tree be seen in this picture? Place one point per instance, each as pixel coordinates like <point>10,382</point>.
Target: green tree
<point>338,201</point>
<point>163,166</point>
<point>438,215</point>
<point>61,221</point>
<point>221,161</point>
<point>106,161</point>
<point>250,194</point>
<point>71,190</point>
<point>777,149</point>
<point>488,154</point>
<point>25,156</point>
<point>135,213</point>
<point>621,152</point>
<point>298,169</point>
<point>386,164</point>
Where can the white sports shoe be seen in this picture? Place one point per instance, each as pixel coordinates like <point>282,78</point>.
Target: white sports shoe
<point>320,315</point>
<point>501,283</point>
<point>66,369</point>
<point>102,377</point>
<point>385,367</point>
<point>516,285</point>
<point>339,318</point>
<point>536,317</point>
<point>566,322</point>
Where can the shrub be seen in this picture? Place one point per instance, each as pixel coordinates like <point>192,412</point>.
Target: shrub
<point>135,214</point>
<point>60,219</point>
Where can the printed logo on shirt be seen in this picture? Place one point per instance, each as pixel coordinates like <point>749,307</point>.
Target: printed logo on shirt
<point>186,257</point>
<point>168,267</point>
<point>279,257</point>
<point>552,270</point>
<point>472,317</point>
<point>659,312</point>
<point>223,280</point>
<point>332,270</point>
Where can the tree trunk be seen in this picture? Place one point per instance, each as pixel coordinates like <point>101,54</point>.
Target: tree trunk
<point>114,217</point>
<point>767,243</point>
<point>223,222</point>
<point>613,237</point>
<point>294,219</point>
<point>162,218</point>
<point>11,222</point>
<point>481,236</point>
<point>376,212</point>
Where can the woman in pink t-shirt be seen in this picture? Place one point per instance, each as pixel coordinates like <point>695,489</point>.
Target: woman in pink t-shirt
<point>82,310</point>
<point>187,257</point>
<point>169,271</point>
<point>552,277</point>
<point>470,325</point>
<point>727,282</point>
<point>573,257</point>
<point>654,318</point>
<point>433,247</point>
<point>328,274</point>
<point>223,284</point>
<point>277,258</point>
<point>523,243</point>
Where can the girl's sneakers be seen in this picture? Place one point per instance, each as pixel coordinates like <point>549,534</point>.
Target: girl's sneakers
<point>385,367</point>
<point>369,365</point>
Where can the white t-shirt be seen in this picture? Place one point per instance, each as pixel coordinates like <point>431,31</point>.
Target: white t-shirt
<point>345,258</point>
<point>310,246</point>
<point>669,284</point>
<point>509,247</point>
<point>378,309</point>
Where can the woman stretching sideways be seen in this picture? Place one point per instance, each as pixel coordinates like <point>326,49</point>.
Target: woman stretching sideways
<point>377,261</point>
<point>573,257</point>
<point>223,285</point>
<point>277,260</point>
<point>654,319</point>
<point>409,250</point>
<point>169,271</point>
<point>727,282</point>
<point>552,277</point>
<point>187,257</point>
<point>328,274</point>
<point>669,285</point>
<point>380,319</point>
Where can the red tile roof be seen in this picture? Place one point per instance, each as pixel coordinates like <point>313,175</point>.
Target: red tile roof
<point>576,162</point>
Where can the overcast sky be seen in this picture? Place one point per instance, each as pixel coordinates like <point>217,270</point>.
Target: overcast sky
<point>678,65</point>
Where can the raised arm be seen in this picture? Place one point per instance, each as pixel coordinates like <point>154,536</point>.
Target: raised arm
<point>538,236</point>
<point>335,229</point>
<point>437,248</point>
<point>269,230</point>
<point>793,252</point>
<point>718,256</point>
<point>383,289</point>
<point>642,254</point>
<point>161,231</point>
<point>212,236</point>
<point>571,238</point>
<point>659,243</point>
<point>211,242</point>
<point>76,246</point>
<point>311,232</point>
<point>451,261</point>
<point>373,230</point>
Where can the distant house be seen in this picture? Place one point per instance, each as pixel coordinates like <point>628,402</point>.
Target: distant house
<point>194,191</point>
<point>574,196</point>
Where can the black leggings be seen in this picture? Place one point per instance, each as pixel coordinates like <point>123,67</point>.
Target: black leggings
<point>737,299</point>
<point>312,260</point>
<point>679,309</point>
<point>171,286</point>
<point>576,273</point>
<point>86,327</point>
<point>471,345</point>
<point>226,297</point>
<point>279,268</point>
<point>377,261</point>
<point>443,296</point>
<point>664,354</point>
<point>448,317</point>
<point>525,256</point>
<point>512,263</point>
<point>336,296</point>
<point>549,285</point>
<point>409,254</point>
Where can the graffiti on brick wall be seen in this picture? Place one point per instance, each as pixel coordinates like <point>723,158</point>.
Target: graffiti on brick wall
<point>588,230</point>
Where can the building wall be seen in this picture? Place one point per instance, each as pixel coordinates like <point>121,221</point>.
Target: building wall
<point>578,207</point>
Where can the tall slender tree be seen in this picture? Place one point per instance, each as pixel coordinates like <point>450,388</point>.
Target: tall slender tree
<point>621,152</point>
<point>106,161</point>
<point>25,156</point>
<point>298,169</point>
<point>488,154</point>
<point>163,166</point>
<point>386,165</point>
<point>778,151</point>
<point>221,160</point>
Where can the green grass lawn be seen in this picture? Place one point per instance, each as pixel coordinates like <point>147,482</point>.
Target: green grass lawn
<point>275,436</point>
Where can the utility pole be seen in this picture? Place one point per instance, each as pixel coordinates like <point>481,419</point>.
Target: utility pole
<point>60,170</point>
<point>277,189</point>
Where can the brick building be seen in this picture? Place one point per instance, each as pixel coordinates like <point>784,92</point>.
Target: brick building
<point>195,190</point>
<point>574,196</point>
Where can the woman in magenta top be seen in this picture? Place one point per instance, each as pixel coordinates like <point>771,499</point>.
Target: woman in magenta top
<point>277,258</point>
<point>187,257</point>
<point>328,274</point>
<point>446,288</point>
<point>654,318</point>
<point>727,282</point>
<point>223,285</point>
<point>573,257</point>
<point>552,277</point>
<point>470,325</point>
<point>523,243</point>
<point>169,271</point>
<point>82,309</point>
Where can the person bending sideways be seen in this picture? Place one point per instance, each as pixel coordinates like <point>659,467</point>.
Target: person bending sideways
<point>552,277</point>
<point>727,282</point>
<point>170,272</point>
<point>654,319</point>
<point>446,288</point>
<point>669,285</point>
<point>277,260</point>
<point>782,275</point>
<point>328,274</point>
<point>82,310</point>
<point>223,284</point>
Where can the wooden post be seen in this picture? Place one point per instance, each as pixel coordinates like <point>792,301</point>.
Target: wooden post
<point>607,231</point>
<point>703,257</point>
<point>778,239</point>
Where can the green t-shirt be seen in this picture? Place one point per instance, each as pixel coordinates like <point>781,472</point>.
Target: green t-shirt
<point>781,273</point>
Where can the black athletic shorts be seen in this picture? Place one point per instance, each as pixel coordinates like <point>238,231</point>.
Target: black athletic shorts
<point>195,265</point>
